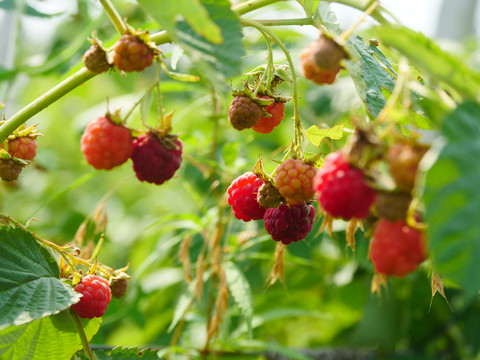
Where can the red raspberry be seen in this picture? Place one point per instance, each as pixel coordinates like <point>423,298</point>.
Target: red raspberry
<point>242,196</point>
<point>403,159</point>
<point>396,248</point>
<point>265,125</point>
<point>10,169</point>
<point>244,112</point>
<point>105,144</point>
<point>154,160</point>
<point>132,54</point>
<point>95,59</point>
<point>96,296</point>
<point>289,223</point>
<point>320,61</point>
<point>23,148</point>
<point>294,180</point>
<point>342,190</point>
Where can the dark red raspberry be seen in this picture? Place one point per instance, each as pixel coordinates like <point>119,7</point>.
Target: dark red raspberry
<point>403,159</point>
<point>24,147</point>
<point>268,196</point>
<point>119,288</point>
<point>132,54</point>
<point>10,169</point>
<point>96,297</point>
<point>105,144</point>
<point>265,125</point>
<point>244,112</point>
<point>242,196</point>
<point>294,180</point>
<point>320,61</point>
<point>396,248</point>
<point>342,190</point>
<point>95,59</point>
<point>289,224</point>
<point>156,160</point>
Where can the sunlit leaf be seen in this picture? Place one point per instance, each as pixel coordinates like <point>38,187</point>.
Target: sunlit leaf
<point>315,135</point>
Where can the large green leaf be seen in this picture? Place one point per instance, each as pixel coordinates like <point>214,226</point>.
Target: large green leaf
<point>50,338</point>
<point>123,353</point>
<point>241,292</point>
<point>425,54</point>
<point>168,13</point>
<point>452,200</point>
<point>315,135</point>
<point>216,61</point>
<point>29,284</point>
<point>369,76</point>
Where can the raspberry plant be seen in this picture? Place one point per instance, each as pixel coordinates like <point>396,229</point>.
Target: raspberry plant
<point>206,245</point>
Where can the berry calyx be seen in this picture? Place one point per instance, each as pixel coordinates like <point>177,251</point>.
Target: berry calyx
<point>289,224</point>
<point>320,61</point>
<point>156,159</point>
<point>269,196</point>
<point>403,159</point>
<point>96,296</point>
<point>342,190</point>
<point>265,124</point>
<point>244,112</point>
<point>105,144</point>
<point>24,147</point>
<point>131,53</point>
<point>396,248</point>
<point>95,59</point>
<point>294,180</point>
<point>242,196</point>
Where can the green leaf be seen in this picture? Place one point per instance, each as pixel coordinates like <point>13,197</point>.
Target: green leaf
<point>124,353</point>
<point>315,135</point>
<point>452,200</point>
<point>425,54</point>
<point>369,76</point>
<point>29,284</point>
<point>183,304</point>
<point>168,13</point>
<point>241,292</point>
<point>50,338</point>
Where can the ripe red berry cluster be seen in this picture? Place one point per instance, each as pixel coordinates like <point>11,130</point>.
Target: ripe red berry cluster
<point>155,158</point>
<point>96,296</point>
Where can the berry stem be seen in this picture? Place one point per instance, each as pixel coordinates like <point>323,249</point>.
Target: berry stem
<point>252,5</point>
<point>83,336</point>
<point>287,22</point>
<point>296,116</point>
<point>363,5</point>
<point>114,16</point>
<point>268,68</point>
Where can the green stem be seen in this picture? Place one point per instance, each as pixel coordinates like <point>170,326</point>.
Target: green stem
<point>252,5</point>
<point>83,336</point>
<point>114,16</point>
<point>160,37</point>
<point>43,101</point>
<point>363,5</point>
<point>268,67</point>
<point>287,22</point>
<point>296,116</point>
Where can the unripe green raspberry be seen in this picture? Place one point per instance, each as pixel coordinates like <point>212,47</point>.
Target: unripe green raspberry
<point>95,59</point>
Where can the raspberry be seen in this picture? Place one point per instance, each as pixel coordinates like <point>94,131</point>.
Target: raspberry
<point>242,196</point>
<point>95,59</point>
<point>96,296</point>
<point>23,148</point>
<point>105,144</point>
<point>403,159</point>
<point>320,61</point>
<point>265,125</point>
<point>156,160</point>
<point>294,180</point>
<point>10,169</point>
<point>119,288</point>
<point>244,112</point>
<point>396,248</point>
<point>289,223</point>
<point>341,189</point>
<point>268,196</point>
<point>392,206</point>
<point>132,54</point>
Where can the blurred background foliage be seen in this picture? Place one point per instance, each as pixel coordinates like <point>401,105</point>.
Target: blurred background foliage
<point>325,300</point>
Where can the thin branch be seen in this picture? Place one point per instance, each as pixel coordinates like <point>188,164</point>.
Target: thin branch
<point>114,16</point>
